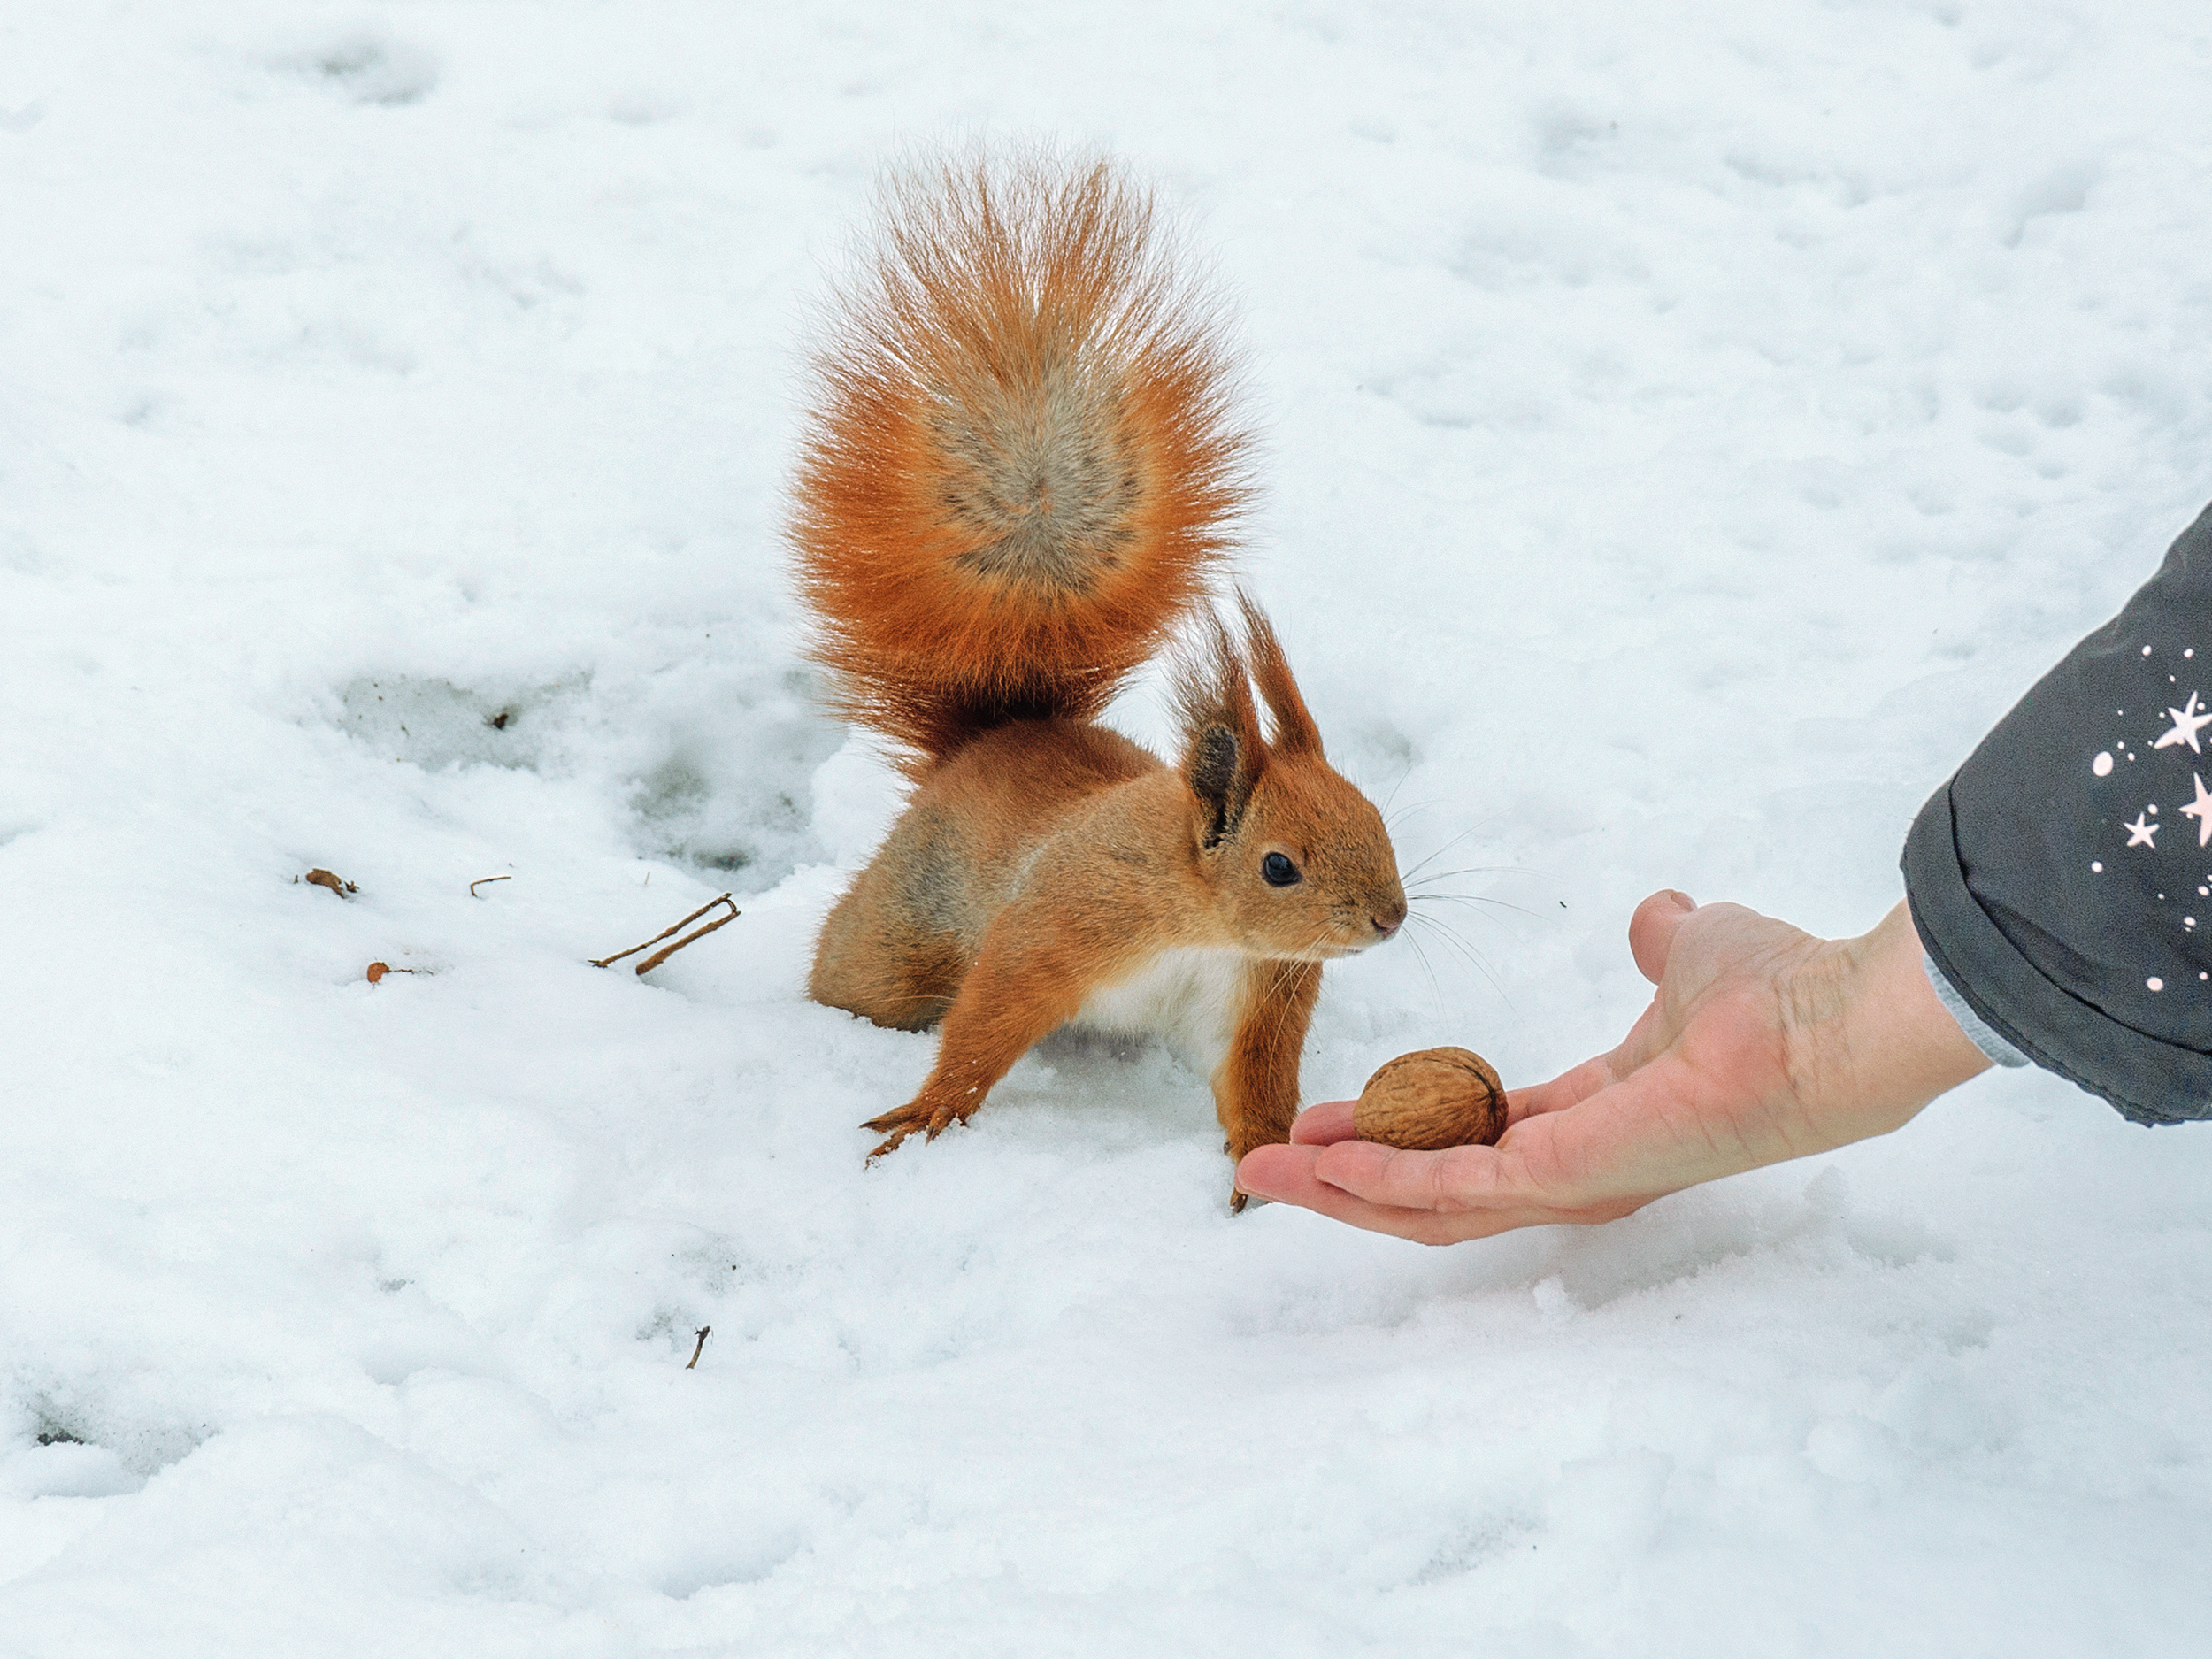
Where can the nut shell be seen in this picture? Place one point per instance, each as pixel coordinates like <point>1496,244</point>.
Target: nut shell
<point>1432,1099</point>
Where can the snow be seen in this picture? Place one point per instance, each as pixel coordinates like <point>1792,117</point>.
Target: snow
<point>1690,427</point>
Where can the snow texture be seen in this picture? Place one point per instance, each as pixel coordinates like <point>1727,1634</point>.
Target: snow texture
<point>1690,427</point>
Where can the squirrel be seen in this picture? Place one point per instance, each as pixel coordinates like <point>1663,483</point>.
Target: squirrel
<point>1017,473</point>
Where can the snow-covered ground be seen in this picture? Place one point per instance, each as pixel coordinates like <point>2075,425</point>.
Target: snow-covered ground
<point>1690,427</point>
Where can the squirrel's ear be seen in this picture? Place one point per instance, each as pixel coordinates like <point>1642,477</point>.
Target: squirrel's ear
<point>1296,734</point>
<point>1223,753</point>
<point>1217,772</point>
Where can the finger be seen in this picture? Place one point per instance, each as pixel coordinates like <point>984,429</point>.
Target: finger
<point>1569,1088</point>
<point>1318,1125</point>
<point>1468,1192</point>
<point>1285,1173</point>
<point>1651,929</point>
<point>1456,1180</point>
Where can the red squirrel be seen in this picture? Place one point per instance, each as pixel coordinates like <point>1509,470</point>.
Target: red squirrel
<point>1017,473</point>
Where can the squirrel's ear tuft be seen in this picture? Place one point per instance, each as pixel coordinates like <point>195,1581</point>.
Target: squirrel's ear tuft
<point>1296,734</point>
<point>1222,752</point>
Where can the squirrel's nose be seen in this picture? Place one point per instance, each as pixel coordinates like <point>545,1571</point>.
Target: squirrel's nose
<point>1388,914</point>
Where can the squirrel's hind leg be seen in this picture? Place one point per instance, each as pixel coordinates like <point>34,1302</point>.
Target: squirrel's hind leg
<point>908,990</point>
<point>891,950</point>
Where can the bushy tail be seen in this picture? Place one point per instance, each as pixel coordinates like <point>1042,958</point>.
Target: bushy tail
<point>1020,464</point>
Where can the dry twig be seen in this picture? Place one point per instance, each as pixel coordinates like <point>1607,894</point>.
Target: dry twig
<point>482,880</point>
<point>700,1348</point>
<point>659,956</point>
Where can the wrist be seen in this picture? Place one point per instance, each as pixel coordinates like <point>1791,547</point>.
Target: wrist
<point>1873,1043</point>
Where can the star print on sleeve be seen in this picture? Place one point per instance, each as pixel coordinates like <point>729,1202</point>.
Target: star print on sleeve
<point>2187,723</point>
<point>2141,833</point>
<point>2200,810</point>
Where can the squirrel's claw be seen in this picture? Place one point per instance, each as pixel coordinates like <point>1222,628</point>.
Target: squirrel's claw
<point>895,1126</point>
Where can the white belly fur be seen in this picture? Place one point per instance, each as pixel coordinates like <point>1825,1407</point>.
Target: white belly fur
<point>1187,998</point>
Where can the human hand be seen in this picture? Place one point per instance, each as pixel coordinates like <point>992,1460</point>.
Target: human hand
<point>1762,1043</point>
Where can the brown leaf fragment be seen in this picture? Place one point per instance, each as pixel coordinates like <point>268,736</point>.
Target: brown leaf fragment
<point>325,878</point>
<point>377,970</point>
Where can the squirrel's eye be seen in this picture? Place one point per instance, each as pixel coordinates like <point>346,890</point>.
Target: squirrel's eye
<point>1276,870</point>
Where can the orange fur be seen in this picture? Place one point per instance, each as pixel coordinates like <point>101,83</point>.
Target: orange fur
<point>1020,472</point>
<point>1019,466</point>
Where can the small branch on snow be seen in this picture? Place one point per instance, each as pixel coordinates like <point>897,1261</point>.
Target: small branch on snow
<point>659,956</point>
<point>482,880</point>
<point>703,1329</point>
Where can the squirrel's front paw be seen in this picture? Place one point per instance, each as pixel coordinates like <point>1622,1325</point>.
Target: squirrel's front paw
<point>895,1126</point>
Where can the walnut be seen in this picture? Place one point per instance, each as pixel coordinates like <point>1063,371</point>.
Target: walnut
<point>1432,1099</point>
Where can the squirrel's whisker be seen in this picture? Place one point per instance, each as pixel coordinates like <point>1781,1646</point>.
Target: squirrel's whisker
<point>1473,898</point>
<point>1405,772</point>
<point>1436,991</point>
<point>1476,870</point>
<point>1407,874</point>
<point>1393,819</point>
<point>1451,937</point>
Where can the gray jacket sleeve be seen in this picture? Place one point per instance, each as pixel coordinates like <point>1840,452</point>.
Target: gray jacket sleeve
<point>2061,881</point>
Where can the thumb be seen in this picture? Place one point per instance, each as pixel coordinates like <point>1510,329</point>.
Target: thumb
<point>1651,931</point>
